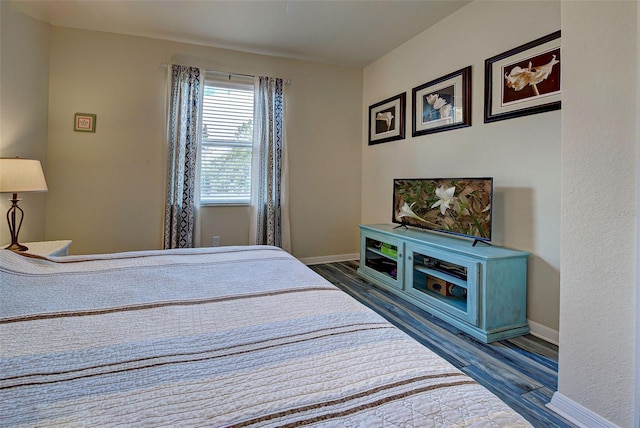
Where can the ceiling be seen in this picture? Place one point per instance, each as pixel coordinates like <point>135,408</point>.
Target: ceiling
<point>352,33</point>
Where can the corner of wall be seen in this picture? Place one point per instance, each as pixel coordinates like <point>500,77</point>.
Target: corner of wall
<point>637,311</point>
<point>24,69</point>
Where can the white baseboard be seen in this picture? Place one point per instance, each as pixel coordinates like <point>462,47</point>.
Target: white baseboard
<point>577,414</point>
<point>330,259</point>
<point>543,332</point>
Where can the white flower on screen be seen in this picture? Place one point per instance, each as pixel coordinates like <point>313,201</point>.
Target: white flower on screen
<point>446,197</point>
<point>407,211</point>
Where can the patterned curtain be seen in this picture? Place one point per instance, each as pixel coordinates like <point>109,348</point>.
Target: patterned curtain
<point>270,213</point>
<point>183,133</point>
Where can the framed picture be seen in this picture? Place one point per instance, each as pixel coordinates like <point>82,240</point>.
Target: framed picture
<point>84,122</point>
<point>442,104</point>
<point>386,120</point>
<point>524,80</point>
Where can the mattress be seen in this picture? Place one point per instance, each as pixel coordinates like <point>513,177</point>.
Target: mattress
<point>226,336</point>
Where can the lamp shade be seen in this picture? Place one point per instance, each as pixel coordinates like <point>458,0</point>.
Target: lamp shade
<point>21,175</point>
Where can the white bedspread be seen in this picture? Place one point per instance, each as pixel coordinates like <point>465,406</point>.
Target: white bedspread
<point>227,336</point>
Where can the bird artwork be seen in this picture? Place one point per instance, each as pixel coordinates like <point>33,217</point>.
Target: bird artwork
<point>387,117</point>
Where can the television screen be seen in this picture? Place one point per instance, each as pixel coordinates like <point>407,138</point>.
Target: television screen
<point>460,206</point>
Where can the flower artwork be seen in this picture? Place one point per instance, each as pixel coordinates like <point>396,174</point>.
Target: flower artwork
<point>524,80</point>
<point>533,77</point>
<point>459,206</point>
<point>384,121</point>
<point>518,78</point>
<point>442,104</point>
<point>438,106</point>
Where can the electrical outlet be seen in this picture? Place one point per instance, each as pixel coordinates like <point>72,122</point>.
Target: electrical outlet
<point>215,241</point>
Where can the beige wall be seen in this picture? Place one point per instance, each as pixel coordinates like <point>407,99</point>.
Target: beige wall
<point>24,90</point>
<point>107,189</point>
<point>522,154</point>
<point>599,209</point>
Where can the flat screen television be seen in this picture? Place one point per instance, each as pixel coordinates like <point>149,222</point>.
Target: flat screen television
<point>459,206</point>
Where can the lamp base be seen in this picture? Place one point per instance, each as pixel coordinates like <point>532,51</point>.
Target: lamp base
<point>14,246</point>
<point>14,228</point>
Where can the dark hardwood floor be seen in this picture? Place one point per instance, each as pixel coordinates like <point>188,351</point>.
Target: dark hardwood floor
<point>522,371</point>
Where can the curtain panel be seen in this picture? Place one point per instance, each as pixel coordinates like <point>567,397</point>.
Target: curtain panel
<point>185,101</point>
<point>270,212</point>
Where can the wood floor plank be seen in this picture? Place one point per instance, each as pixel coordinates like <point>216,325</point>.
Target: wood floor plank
<point>522,363</point>
<point>521,371</point>
<point>545,353</point>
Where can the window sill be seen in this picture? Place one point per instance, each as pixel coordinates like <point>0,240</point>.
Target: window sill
<point>225,204</point>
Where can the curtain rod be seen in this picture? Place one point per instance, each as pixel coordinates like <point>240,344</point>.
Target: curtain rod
<point>225,73</point>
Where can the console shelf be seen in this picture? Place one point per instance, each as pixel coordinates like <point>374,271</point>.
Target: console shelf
<point>480,289</point>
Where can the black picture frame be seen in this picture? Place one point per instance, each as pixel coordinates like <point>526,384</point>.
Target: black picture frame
<point>510,88</point>
<point>387,120</point>
<point>442,104</point>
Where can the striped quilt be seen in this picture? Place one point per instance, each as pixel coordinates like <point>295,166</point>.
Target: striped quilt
<point>227,336</point>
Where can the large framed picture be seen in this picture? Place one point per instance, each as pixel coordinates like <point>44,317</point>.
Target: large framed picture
<point>442,104</point>
<point>524,80</point>
<point>386,120</point>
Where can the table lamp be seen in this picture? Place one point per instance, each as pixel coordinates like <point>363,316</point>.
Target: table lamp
<point>19,176</point>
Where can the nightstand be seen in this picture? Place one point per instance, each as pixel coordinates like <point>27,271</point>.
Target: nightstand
<point>48,248</point>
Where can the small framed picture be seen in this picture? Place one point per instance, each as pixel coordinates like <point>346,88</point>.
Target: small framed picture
<point>84,122</point>
<point>524,80</point>
<point>386,120</point>
<point>442,104</point>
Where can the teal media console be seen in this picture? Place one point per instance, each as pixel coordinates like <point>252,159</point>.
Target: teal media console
<point>482,289</point>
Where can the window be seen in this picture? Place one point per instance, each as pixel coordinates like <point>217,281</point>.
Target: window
<point>227,140</point>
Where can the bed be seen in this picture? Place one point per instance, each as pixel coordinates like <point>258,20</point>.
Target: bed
<point>226,336</point>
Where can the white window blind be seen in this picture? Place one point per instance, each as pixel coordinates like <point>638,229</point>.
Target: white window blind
<point>227,140</point>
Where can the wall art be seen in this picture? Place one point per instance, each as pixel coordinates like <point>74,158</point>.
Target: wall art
<point>84,122</point>
<point>524,80</point>
<point>386,120</point>
<point>442,104</point>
